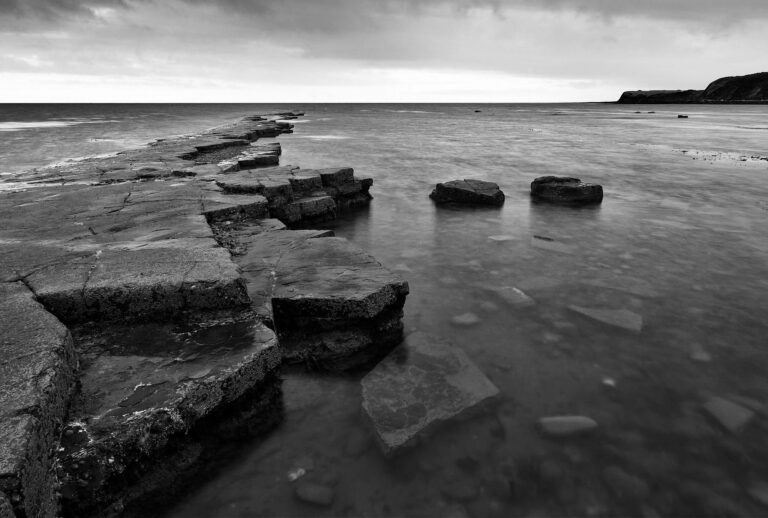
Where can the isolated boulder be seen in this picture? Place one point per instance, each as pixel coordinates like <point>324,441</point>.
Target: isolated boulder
<point>468,191</point>
<point>564,189</point>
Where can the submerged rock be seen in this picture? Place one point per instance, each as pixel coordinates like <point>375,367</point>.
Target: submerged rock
<point>465,319</point>
<point>731,416</point>
<point>422,384</point>
<point>468,191</point>
<point>622,318</point>
<point>564,189</point>
<point>567,425</point>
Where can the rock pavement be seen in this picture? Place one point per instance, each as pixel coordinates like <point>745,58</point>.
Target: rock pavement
<point>134,253</point>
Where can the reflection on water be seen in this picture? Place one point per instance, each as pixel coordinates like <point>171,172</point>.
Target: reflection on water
<point>648,316</point>
<point>650,311</point>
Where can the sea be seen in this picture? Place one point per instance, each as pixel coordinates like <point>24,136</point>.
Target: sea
<point>649,312</point>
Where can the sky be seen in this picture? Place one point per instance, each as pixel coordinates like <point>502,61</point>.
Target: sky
<point>371,50</point>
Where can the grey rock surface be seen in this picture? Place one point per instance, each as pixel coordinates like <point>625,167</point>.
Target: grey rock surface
<point>130,236</point>
<point>422,384</point>
<point>144,388</point>
<point>468,191</point>
<point>36,380</point>
<point>563,189</point>
<point>622,318</point>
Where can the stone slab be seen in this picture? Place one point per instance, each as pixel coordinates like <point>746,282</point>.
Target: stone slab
<point>622,318</point>
<point>332,278</point>
<point>36,379</point>
<point>731,416</point>
<point>422,384</point>
<point>336,176</point>
<point>468,191</point>
<point>144,389</point>
<point>140,283</point>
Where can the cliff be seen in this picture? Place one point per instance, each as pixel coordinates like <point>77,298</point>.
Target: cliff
<point>752,88</point>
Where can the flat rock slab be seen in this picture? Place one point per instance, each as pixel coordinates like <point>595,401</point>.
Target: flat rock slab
<point>552,245</point>
<point>566,425</point>
<point>731,416</point>
<point>332,278</point>
<point>143,389</point>
<point>509,294</point>
<point>419,386</point>
<point>622,318</point>
<point>36,379</point>
<point>140,283</point>
<point>563,189</point>
<point>334,305</point>
<point>469,191</point>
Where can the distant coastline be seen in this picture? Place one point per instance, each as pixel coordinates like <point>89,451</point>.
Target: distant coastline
<point>748,89</point>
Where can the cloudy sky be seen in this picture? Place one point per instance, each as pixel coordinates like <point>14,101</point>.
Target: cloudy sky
<point>371,50</point>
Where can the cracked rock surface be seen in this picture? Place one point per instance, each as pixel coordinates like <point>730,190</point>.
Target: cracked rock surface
<point>420,385</point>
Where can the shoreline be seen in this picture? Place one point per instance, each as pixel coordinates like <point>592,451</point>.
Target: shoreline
<point>118,275</point>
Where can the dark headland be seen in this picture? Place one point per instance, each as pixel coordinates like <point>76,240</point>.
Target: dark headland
<point>749,89</point>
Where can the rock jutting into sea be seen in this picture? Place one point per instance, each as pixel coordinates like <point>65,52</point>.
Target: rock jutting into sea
<point>475,192</point>
<point>118,273</point>
<point>748,89</point>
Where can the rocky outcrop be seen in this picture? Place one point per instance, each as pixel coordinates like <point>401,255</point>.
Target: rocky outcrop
<point>334,307</point>
<point>752,88</point>
<point>422,384</point>
<point>563,189</point>
<point>295,194</point>
<point>476,192</point>
<point>147,236</point>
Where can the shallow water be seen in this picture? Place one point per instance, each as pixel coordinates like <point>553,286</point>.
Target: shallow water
<point>680,239</point>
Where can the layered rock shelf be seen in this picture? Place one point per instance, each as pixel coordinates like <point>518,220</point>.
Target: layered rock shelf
<point>165,284</point>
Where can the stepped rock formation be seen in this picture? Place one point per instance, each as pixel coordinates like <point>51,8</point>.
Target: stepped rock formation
<point>752,88</point>
<point>148,300</point>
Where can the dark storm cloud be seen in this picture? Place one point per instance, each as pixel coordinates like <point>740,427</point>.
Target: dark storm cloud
<point>335,13</point>
<point>53,9</point>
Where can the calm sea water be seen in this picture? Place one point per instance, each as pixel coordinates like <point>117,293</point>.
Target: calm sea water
<point>681,239</point>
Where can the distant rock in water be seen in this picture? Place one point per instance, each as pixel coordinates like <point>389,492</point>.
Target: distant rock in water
<point>475,192</point>
<point>564,189</point>
<point>752,88</point>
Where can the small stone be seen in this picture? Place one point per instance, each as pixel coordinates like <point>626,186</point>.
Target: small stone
<point>550,338</point>
<point>732,416</point>
<point>565,426</point>
<point>700,355</point>
<point>296,474</point>
<point>466,319</point>
<point>315,494</point>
